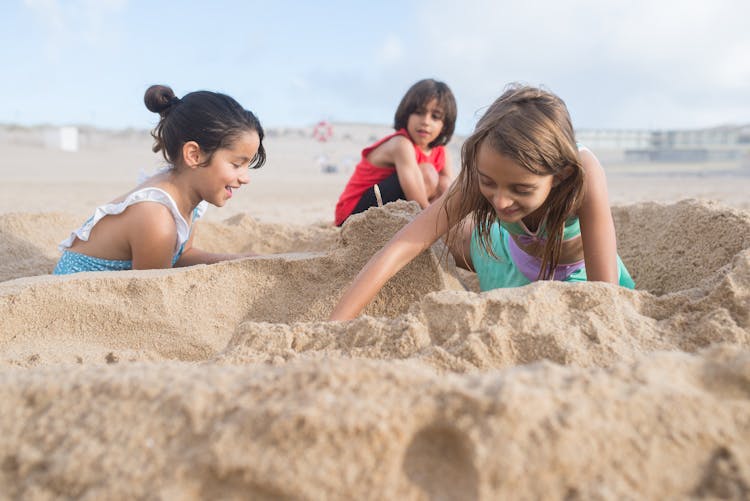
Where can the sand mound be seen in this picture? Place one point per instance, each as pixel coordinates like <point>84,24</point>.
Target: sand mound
<point>670,425</point>
<point>670,248</point>
<point>242,233</point>
<point>28,242</point>
<point>190,314</point>
<point>225,381</point>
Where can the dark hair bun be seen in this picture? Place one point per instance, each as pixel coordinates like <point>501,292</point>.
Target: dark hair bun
<point>158,98</point>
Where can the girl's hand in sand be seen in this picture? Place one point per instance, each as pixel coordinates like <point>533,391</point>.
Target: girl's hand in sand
<point>191,255</point>
<point>405,245</point>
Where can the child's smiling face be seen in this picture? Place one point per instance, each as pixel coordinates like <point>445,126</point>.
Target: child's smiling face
<point>512,190</point>
<point>425,124</point>
<point>228,169</point>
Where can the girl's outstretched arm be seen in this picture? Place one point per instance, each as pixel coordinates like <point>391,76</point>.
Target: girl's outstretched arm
<point>597,226</point>
<point>191,255</point>
<point>405,245</point>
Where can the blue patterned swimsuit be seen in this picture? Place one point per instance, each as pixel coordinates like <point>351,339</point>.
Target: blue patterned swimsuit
<point>74,262</point>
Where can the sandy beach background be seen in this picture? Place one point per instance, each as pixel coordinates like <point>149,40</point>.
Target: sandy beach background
<point>226,382</point>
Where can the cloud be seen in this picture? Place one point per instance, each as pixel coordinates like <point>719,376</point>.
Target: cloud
<point>298,83</point>
<point>75,22</point>
<point>732,66</point>
<point>49,13</point>
<point>667,56</point>
<point>390,52</point>
<point>618,64</point>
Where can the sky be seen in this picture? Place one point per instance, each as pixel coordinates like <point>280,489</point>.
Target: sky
<point>618,64</point>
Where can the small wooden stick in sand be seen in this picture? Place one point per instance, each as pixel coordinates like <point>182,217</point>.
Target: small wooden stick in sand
<point>376,189</point>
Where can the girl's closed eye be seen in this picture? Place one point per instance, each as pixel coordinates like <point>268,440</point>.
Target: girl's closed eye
<point>485,181</point>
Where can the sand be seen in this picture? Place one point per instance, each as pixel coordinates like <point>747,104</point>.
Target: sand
<point>226,381</point>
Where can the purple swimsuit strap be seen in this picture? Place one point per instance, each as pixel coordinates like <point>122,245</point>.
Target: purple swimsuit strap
<point>530,265</point>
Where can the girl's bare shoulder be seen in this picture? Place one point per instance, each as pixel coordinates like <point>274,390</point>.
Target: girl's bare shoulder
<point>150,218</point>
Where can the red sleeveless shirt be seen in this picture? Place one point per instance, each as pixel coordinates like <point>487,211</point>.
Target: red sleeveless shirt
<point>367,175</point>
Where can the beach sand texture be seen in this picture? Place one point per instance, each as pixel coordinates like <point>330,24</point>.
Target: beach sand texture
<point>226,382</point>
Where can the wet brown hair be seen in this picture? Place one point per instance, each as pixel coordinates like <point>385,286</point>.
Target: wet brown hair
<point>418,96</point>
<point>532,127</point>
<point>211,119</point>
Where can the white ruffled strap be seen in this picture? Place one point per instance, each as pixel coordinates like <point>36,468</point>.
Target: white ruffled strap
<point>149,194</point>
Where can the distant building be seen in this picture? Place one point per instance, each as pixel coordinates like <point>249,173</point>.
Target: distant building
<point>724,143</point>
<point>614,139</point>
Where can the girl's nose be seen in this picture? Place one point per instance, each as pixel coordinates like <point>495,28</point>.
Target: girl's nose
<point>501,201</point>
<point>244,178</point>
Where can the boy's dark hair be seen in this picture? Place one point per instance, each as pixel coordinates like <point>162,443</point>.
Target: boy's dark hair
<point>211,119</point>
<point>418,96</point>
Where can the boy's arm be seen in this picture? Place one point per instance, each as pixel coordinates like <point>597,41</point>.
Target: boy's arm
<point>445,176</point>
<point>399,152</point>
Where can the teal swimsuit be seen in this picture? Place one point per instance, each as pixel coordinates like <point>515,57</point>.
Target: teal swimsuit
<point>513,267</point>
<point>74,262</point>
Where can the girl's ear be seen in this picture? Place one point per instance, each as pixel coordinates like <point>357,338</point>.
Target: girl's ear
<point>191,154</point>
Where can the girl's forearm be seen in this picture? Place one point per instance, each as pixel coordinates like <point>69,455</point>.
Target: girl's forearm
<point>381,268</point>
<point>407,244</point>
<point>195,256</point>
<point>365,286</point>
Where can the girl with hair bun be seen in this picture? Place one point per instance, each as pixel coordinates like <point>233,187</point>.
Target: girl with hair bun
<point>529,204</point>
<point>209,142</point>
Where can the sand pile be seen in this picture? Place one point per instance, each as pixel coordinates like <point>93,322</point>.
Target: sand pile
<point>670,425</point>
<point>28,241</point>
<point>225,381</point>
<point>190,314</point>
